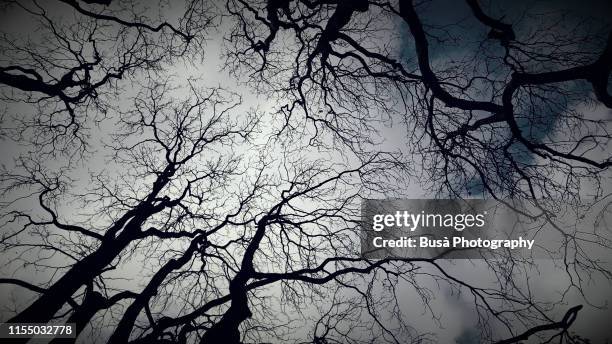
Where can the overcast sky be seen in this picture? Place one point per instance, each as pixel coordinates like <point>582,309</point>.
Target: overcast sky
<point>455,310</point>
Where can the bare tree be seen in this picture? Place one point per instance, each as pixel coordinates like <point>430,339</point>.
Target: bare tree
<point>500,120</point>
<point>478,117</point>
<point>201,220</point>
<point>125,212</point>
<point>70,60</point>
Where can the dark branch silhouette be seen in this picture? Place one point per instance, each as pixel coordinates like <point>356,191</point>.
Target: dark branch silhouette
<point>151,208</point>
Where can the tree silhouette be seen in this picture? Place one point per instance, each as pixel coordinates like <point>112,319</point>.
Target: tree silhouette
<point>74,62</point>
<point>148,207</point>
